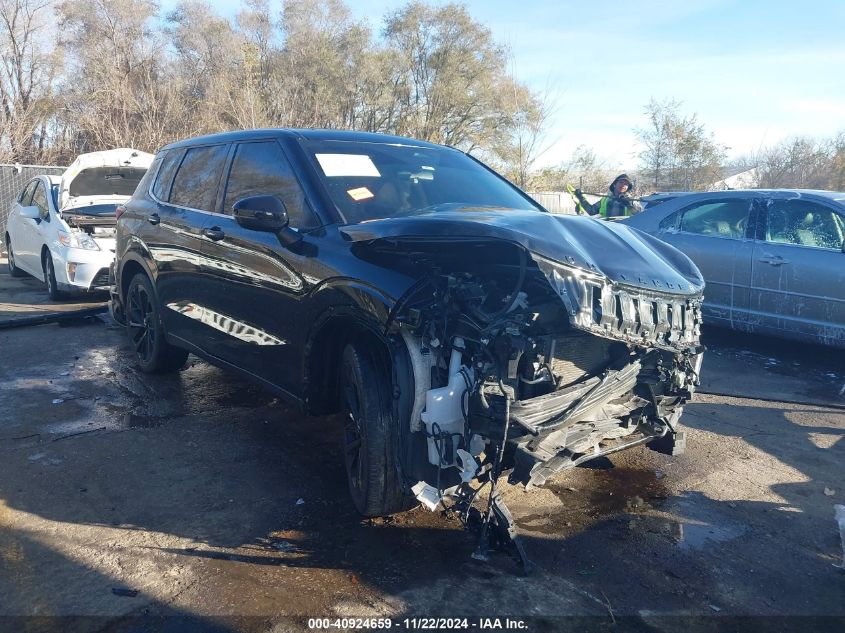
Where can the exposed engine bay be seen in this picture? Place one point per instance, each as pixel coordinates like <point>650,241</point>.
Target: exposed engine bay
<point>525,366</point>
<point>93,225</point>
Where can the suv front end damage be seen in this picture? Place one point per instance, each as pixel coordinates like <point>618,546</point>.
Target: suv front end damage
<point>526,366</point>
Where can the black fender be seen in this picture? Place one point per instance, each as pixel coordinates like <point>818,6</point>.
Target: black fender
<point>138,253</point>
<point>346,309</point>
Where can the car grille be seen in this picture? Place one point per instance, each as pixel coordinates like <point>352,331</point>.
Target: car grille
<point>101,279</point>
<point>635,315</point>
<point>639,316</point>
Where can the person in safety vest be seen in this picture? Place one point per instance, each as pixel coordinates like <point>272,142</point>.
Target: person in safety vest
<point>617,204</point>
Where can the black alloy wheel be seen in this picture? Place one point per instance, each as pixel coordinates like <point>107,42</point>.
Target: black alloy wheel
<point>14,271</point>
<point>141,322</point>
<point>353,440</point>
<point>145,330</point>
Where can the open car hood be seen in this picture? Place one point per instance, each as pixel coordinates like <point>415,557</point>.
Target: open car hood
<point>620,253</point>
<point>102,177</point>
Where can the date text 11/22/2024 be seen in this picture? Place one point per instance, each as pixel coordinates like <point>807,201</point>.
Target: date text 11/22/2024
<point>490,624</point>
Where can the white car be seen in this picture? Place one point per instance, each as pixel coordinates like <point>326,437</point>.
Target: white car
<point>61,228</point>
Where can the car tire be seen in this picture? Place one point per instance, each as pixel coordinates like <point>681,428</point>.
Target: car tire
<point>50,279</point>
<point>14,271</point>
<point>371,434</point>
<point>145,329</point>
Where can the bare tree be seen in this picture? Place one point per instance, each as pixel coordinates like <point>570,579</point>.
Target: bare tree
<point>117,93</point>
<point>836,149</point>
<point>29,70</point>
<point>121,76</point>
<point>582,170</point>
<point>450,77</point>
<point>679,153</point>
<point>318,68</point>
<point>521,139</point>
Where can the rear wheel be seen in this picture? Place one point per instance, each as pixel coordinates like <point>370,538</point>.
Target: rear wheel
<point>50,278</point>
<point>145,329</point>
<point>371,434</point>
<point>14,271</point>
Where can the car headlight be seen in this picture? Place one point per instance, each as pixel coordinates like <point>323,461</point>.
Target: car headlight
<point>78,240</point>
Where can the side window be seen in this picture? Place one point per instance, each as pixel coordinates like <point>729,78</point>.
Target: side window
<point>164,177</point>
<point>804,223</point>
<point>263,169</point>
<point>196,182</point>
<point>670,222</point>
<point>25,198</point>
<point>152,170</point>
<point>39,199</point>
<point>723,218</point>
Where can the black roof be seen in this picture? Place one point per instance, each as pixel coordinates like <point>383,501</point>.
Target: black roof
<point>307,134</point>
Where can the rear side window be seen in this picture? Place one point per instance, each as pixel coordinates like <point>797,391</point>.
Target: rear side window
<point>804,223</point>
<point>196,182</point>
<point>669,222</point>
<point>723,218</point>
<point>263,169</point>
<point>164,177</point>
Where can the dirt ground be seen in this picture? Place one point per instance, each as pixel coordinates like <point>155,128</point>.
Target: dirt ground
<point>130,502</point>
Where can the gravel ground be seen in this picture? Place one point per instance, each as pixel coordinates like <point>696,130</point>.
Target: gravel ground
<point>124,497</point>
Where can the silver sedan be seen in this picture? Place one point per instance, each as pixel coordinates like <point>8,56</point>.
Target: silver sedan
<point>773,260</point>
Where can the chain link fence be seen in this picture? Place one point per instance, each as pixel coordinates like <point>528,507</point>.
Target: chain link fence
<point>12,180</point>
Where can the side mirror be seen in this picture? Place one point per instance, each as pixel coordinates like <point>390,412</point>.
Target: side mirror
<point>31,212</point>
<point>265,213</point>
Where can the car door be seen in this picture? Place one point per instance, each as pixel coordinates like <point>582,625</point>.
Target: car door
<point>23,232</point>
<point>714,233</point>
<point>40,229</point>
<point>185,190</point>
<point>254,301</point>
<point>798,270</point>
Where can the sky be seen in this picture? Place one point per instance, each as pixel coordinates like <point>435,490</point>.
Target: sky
<point>754,72</point>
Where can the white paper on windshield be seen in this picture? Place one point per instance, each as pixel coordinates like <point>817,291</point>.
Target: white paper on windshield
<point>347,165</point>
<point>359,194</point>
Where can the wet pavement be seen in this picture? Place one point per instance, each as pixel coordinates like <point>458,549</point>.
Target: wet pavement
<point>126,496</point>
<point>27,296</point>
<point>781,369</point>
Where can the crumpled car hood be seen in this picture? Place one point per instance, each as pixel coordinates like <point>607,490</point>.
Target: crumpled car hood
<point>620,253</point>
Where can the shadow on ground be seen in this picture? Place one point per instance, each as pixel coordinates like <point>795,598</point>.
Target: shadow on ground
<point>210,497</point>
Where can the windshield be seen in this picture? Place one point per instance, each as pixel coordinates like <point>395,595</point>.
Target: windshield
<point>369,181</point>
<point>107,181</point>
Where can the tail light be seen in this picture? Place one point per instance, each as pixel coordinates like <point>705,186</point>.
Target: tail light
<point>119,211</point>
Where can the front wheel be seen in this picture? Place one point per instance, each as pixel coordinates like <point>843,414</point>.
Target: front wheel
<point>371,434</point>
<point>145,329</point>
<point>50,279</point>
<point>14,271</point>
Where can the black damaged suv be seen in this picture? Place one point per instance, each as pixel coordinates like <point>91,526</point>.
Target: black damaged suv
<point>465,331</point>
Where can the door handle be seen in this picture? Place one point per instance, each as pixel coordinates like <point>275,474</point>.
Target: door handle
<point>214,233</point>
<point>154,219</point>
<point>774,260</point>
